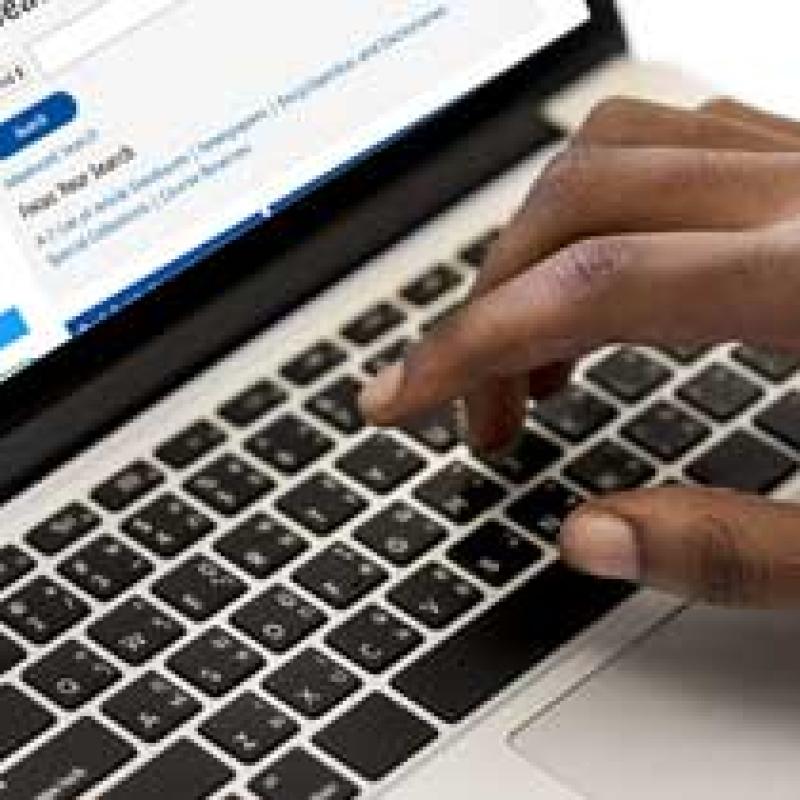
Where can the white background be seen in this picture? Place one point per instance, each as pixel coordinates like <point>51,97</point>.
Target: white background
<point>747,48</point>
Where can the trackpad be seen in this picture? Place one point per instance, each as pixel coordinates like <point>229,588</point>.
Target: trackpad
<point>708,706</point>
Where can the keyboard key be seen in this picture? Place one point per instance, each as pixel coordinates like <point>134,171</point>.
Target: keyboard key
<point>686,353</point>
<point>460,493</point>
<point>374,639</point>
<point>168,526</point>
<point>300,776</point>
<point>629,374</point>
<point>249,728</point>
<point>190,445</point>
<point>476,252</point>
<point>215,662</point>
<point>574,413</point>
<point>199,588</point>
<point>495,554</point>
<point>432,286</point>
<point>63,529</point>
<point>532,455</point>
<point>438,430</point>
<point>743,462</point>
<point>136,631</point>
<point>105,568</point>
<point>773,366</point>
<point>183,770</point>
<point>278,619</point>
<point>68,766</point>
<point>492,651</point>
<point>782,419</point>
<point>400,534</point>
<point>229,485</point>
<point>720,393</point>
<point>261,546</point>
<point>376,737</point>
<point>544,509</point>
<point>338,405</point>
<point>439,319</point>
<point>10,654</point>
<point>340,576</point>
<point>322,504</point>
<point>127,486</point>
<point>609,467</point>
<point>315,362</point>
<point>666,431</point>
<point>381,463</point>
<point>254,403</point>
<point>71,675</point>
<point>312,683</point>
<point>373,324</point>
<point>14,564</point>
<point>435,596</point>
<point>41,610</point>
<point>151,707</point>
<point>393,354</point>
<point>289,444</point>
<point>21,720</point>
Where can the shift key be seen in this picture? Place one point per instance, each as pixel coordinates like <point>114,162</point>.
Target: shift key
<point>67,766</point>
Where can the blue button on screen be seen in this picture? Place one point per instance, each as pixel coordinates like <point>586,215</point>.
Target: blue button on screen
<point>36,122</point>
<point>12,327</point>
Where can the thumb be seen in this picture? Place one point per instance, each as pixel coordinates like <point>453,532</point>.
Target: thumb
<point>706,544</point>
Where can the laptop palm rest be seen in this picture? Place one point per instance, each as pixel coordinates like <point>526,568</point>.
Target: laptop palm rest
<point>707,706</point>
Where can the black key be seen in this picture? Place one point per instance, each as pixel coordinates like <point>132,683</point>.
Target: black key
<point>393,354</point>
<point>278,619</point>
<point>136,631</point>
<point>460,493</point>
<point>168,525</point>
<point>63,529</point>
<point>340,576</point>
<point>574,413</point>
<point>374,639</point>
<point>495,554</point>
<point>782,419</point>
<point>685,353</point>
<point>381,463</point>
<point>68,766</point>
<point>10,653</point>
<point>315,362</point>
<point>666,431</point>
<point>289,444</point>
<point>215,662</point>
<point>629,374</point>
<point>720,392</point>
<point>743,462</point>
<point>373,324</point>
<point>312,683</point>
<point>476,252</point>
<point>322,504</point>
<point>151,707</point>
<point>544,509</point>
<point>609,467</point>
<point>435,596</point>
<point>21,720</point>
<point>506,641</point>
<point>300,776</point>
<point>229,485</point>
<point>531,456</point>
<point>14,563</point>
<point>375,737</point>
<point>261,546</point>
<point>772,365</point>
<point>253,403</point>
<point>400,534</point>
<point>338,405</point>
<point>41,610</point>
<point>183,770</point>
<point>249,728</point>
<point>105,568</point>
<point>199,588</point>
<point>190,445</point>
<point>127,486</point>
<point>432,286</point>
<point>71,675</point>
<point>438,430</point>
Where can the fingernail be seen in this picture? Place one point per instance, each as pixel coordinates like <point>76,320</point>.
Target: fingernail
<point>603,545</point>
<point>380,393</point>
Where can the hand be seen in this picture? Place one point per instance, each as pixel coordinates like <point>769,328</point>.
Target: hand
<point>656,226</point>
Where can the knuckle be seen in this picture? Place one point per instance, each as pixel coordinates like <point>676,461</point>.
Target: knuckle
<point>608,115</point>
<point>590,266</point>
<point>568,178</point>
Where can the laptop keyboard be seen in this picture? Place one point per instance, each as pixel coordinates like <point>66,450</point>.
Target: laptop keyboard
<point>275,594</point>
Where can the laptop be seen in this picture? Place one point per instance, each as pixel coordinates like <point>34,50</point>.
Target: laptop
<point>216,221</point>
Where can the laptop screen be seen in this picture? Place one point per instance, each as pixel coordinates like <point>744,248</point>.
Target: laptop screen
<point>136,138</point>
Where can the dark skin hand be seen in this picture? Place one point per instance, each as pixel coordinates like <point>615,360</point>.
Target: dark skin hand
<point>656,226</point>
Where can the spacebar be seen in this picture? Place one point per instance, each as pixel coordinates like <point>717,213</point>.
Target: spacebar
<point>497,648</point>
